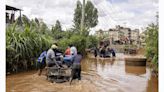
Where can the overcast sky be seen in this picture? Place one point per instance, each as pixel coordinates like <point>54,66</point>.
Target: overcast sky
<point>129,13</point>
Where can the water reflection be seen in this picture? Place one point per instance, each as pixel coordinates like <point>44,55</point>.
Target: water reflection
<point>116,71</point>
<point>137,70</point>
<point>97,64</point>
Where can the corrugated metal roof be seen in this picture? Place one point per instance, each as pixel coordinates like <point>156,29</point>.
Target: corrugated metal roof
<point>11,8</point>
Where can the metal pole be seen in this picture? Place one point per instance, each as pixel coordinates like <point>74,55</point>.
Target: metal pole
<point>20,18</point>
<point>82,19</point>
<point>157,18</point>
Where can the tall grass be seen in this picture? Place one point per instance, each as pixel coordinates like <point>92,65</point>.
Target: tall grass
<point>23,46</point>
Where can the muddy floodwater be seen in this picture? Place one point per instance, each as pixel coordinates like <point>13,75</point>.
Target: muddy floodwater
<point>98,75</point>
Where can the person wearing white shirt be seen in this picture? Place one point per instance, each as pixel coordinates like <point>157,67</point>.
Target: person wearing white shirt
<point>73,50</point>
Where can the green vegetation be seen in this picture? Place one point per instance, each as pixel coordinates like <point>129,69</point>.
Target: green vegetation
<point>91,17</point>
<point>92,41</point>
<point>56,30</point>
<point>26,39</point>
<point>77,40</point>
<point>24,44</point>
<point>152,45</point>
<point>73,36</point>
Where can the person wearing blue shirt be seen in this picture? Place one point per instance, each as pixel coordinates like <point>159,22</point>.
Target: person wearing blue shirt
<point>42,62</point>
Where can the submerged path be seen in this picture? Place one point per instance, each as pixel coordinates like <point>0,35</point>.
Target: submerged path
<point>98,75</point>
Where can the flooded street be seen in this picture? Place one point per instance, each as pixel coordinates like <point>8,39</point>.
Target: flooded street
<point>98,75</point>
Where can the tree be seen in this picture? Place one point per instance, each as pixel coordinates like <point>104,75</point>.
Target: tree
<point>77,15</point>
<point>23,20</point>
<point>57,27</point>
<point>57,30</point>
<point>152,44</point>
<point>91,16</point>
<point>92,41</point>
<point>43,27</point>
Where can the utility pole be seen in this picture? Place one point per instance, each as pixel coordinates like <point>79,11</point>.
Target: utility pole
<point>82,19</point>
<point>20,18</point>
<point>157,18</point>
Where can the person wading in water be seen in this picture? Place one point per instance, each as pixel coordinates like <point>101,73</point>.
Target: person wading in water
<point>76,67</point>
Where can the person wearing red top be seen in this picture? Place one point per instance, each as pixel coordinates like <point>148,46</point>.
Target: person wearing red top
<point>68,51</point>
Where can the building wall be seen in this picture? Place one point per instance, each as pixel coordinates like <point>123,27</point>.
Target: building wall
<point>135,36</point>
<point>125,31</point>
<point>114,35</point>
<point>142,39</point>
<point>120,32</point>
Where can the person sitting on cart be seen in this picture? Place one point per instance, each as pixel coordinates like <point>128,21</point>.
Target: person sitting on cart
<point>51,58</point>
<point>76,67</point>
<point>68,51</point>
<point>68,59</point>
<point>73,50</point>
<point>58,54</point>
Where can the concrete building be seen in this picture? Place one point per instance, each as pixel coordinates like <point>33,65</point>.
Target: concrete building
<point>125,34</point>
<point>113,34</point>
<point>142,39</point>
<point>135,36</point>
<point>120,35</point>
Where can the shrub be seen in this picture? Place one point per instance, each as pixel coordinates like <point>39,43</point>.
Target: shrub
<point>77,40</point>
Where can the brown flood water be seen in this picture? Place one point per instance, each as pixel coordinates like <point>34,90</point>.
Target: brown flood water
<point>98,75</point>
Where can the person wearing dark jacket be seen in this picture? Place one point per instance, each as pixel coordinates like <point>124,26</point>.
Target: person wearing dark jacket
<point>102,52</point>
<point>76,67</point>
<point>95,51</point>
<point>113,53</point>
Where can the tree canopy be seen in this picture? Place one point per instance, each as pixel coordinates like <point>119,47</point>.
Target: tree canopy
<point>57,30</point>
<point>91,15</point>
